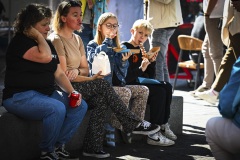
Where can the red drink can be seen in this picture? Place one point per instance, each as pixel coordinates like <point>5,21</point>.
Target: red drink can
<point>74,97</point>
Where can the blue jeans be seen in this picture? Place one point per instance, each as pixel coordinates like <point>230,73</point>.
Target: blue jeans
<point>86,34</point>
<point>59,120</point>
<point>160,37</point>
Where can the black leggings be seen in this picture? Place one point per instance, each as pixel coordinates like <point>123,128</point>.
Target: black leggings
<point>159,99</point>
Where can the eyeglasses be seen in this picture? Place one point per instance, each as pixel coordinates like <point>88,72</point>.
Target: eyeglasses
<point>111,26</point>
<point>71,3</point>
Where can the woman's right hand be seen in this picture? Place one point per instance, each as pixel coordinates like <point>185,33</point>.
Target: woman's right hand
<point>72,74</point>
<point>97,76</point>
<point>32,33</point>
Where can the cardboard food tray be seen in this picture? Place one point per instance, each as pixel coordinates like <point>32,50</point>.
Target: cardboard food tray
<point>122,50</point>
<point>155,49</point>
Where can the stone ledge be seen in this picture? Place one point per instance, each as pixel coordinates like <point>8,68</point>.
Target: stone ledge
<point>20,138</point>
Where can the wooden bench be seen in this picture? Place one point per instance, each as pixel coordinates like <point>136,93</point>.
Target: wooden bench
<point>19,138</point>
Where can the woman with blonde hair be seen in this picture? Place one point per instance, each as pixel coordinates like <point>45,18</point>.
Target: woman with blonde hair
<point>98,93</point>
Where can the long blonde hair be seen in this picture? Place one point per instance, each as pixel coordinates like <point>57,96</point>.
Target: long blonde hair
<point>99,37</point>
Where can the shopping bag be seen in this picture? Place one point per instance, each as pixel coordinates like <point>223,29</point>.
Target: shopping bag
<point>101,63</point>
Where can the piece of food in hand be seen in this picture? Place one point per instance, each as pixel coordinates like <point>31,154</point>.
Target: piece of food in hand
<point>152,52</point>
<point>155,49</point>
<point>124,50</point>
<point>135,51</point>
<point>144,53</point>
<point>149,54</point>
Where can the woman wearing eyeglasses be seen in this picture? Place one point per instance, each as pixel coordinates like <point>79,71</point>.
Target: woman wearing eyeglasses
<point>96,91</point>
<point>107,37</point>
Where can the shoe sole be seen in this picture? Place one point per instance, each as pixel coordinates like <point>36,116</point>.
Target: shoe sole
<point>155,143</point>
<point>96,155</point>
<point>147,132</point>
<point>173,139</point>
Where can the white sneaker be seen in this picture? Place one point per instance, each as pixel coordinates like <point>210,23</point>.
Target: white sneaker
<point>199,89</point>
<point>167,132</point>
<point>146,128</point>
<point>159,140</point>
<point>210,96</point>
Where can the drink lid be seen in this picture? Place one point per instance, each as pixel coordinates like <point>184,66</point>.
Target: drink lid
<point>75,92</point>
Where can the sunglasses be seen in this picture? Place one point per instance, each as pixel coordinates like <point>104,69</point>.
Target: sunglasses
<point>111,26</point>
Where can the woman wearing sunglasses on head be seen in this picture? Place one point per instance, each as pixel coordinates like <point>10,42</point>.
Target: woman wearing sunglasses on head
<point>98,93</point>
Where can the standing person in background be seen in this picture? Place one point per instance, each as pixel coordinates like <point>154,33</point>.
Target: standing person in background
<point>222,133</point>
<point>165,17</point>
<point>212,46</point>
<point>198,31</point>
<point>98,93</point>
<point>87,22</point>
<point>160,95</point>
<point>33,96</point>
<point>230,37</point>
<point>100,7</point>
<point>119,8</point>
<point>91,10</point>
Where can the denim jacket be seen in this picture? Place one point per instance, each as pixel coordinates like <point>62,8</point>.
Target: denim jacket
<point>117,65</point>
<point>229,97</point>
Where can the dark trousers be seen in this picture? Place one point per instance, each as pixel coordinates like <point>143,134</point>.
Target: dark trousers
<point>227,62</point>
<point>159,99</point>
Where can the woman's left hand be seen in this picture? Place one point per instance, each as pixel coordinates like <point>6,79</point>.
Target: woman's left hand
<point>72,74</point>
<point>126,55</point>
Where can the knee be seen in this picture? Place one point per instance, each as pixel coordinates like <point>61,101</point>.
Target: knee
<point>145,89</point>
<point>58,109</point>
<point>124,92</point>
<point>209,128</point>
<point>84,106</point>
